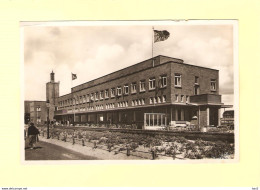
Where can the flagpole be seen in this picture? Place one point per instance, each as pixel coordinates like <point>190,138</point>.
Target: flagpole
<point>73,100</point>
<point>152,44</point>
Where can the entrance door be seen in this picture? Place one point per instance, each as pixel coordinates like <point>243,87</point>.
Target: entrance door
<point>213,116</point>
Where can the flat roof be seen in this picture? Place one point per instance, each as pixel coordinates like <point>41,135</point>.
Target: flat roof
<point>180,62</point>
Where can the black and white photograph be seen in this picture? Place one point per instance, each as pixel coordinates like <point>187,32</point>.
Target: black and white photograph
<point>130,90</point>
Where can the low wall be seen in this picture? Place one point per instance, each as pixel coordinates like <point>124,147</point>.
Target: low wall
<point>192,135</point>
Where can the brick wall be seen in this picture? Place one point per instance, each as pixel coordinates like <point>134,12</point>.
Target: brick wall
<point>188,73</point>
<point>163,69</point>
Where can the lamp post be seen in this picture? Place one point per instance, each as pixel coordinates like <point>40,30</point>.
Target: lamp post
<point>37,115</point>
<point>48,118</point>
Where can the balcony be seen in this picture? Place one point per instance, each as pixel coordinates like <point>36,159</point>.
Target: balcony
<point>206,99</point>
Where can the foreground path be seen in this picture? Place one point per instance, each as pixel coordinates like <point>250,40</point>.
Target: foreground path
<point>99,154</point>
<point>48,151</point>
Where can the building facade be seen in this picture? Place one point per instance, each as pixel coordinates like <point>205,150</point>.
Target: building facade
<point>228,118</point>
<point>35,111</point>
<point>156,92</point>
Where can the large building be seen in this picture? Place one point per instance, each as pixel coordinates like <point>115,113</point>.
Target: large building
<point>153,93</point>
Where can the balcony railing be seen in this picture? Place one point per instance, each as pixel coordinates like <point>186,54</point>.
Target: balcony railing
<point>206,98</point>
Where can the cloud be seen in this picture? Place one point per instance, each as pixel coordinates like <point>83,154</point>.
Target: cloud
<point>94,51</point>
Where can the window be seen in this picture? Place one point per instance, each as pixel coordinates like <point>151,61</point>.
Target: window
<point>133,88</point>
<point>163,81</point>
<point>151,83</point>
<point>143,102</point>
<point>155,100</point>
<point>106,93</point>
<point>119,91</point>
<point>126,89</point>
<point>187,99</point>
<point>113,92</point>
<point>87,98</point>
<point>151,100</point>
<point>80,99</point>
<point>142,85</point>
<point>164,98</point>
<point>101,95</point>
<point>182,98</point>
<point>176,98</point>
<point>213,85</point>
<point>196,80</point>
<point>92,97</point>
<point>96,96</point>
<point>196,89</point>
<point>177,80</point>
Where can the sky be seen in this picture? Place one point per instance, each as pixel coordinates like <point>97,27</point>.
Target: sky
<point>91,51</point>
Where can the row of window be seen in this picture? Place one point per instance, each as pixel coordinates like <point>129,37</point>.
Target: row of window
<point>125,91</point>
<point>123,104</point>
<point>99,107</point>
<point>118,91</point>
<point>182,98</point>
<point>158,99</point>
<point>138,102</point>
<point>111,105</point>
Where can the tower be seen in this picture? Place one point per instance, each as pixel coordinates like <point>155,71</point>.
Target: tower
<point>52,94</point>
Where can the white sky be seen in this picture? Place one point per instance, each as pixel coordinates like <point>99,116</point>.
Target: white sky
<point>93,51</point>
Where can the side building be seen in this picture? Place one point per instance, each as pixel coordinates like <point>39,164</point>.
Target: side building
<point>153,93</point>
<point>40,112</point>
<point>35,111</point>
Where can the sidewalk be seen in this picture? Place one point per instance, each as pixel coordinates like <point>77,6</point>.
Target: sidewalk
<point>89,151</point>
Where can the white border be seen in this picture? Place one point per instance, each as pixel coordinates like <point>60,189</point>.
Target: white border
<point>127,23</point>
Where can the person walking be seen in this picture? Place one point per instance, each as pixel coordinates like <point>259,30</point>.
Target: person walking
<point>32,134</point>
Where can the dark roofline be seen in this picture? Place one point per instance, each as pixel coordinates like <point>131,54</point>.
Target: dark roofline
<point>65,94</point>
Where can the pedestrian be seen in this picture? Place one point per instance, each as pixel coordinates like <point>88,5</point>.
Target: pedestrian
<point>95,144</point>
<point>32,134</point>
<point>128,150</point>
<point>153,151</point>
<point>25,132</point>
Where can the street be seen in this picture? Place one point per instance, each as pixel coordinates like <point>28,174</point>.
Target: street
<point>47,151</point>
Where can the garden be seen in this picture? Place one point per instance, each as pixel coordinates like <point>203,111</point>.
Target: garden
<point>145,146</point>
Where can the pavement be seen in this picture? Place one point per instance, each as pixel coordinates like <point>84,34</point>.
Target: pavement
<point>54,149</point>
<point>48,151</point>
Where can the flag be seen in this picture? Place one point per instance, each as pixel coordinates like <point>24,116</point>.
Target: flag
<point>161,35</point>
<point>74,76</point>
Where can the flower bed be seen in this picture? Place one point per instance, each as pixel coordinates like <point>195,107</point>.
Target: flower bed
<point>145,145</point>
